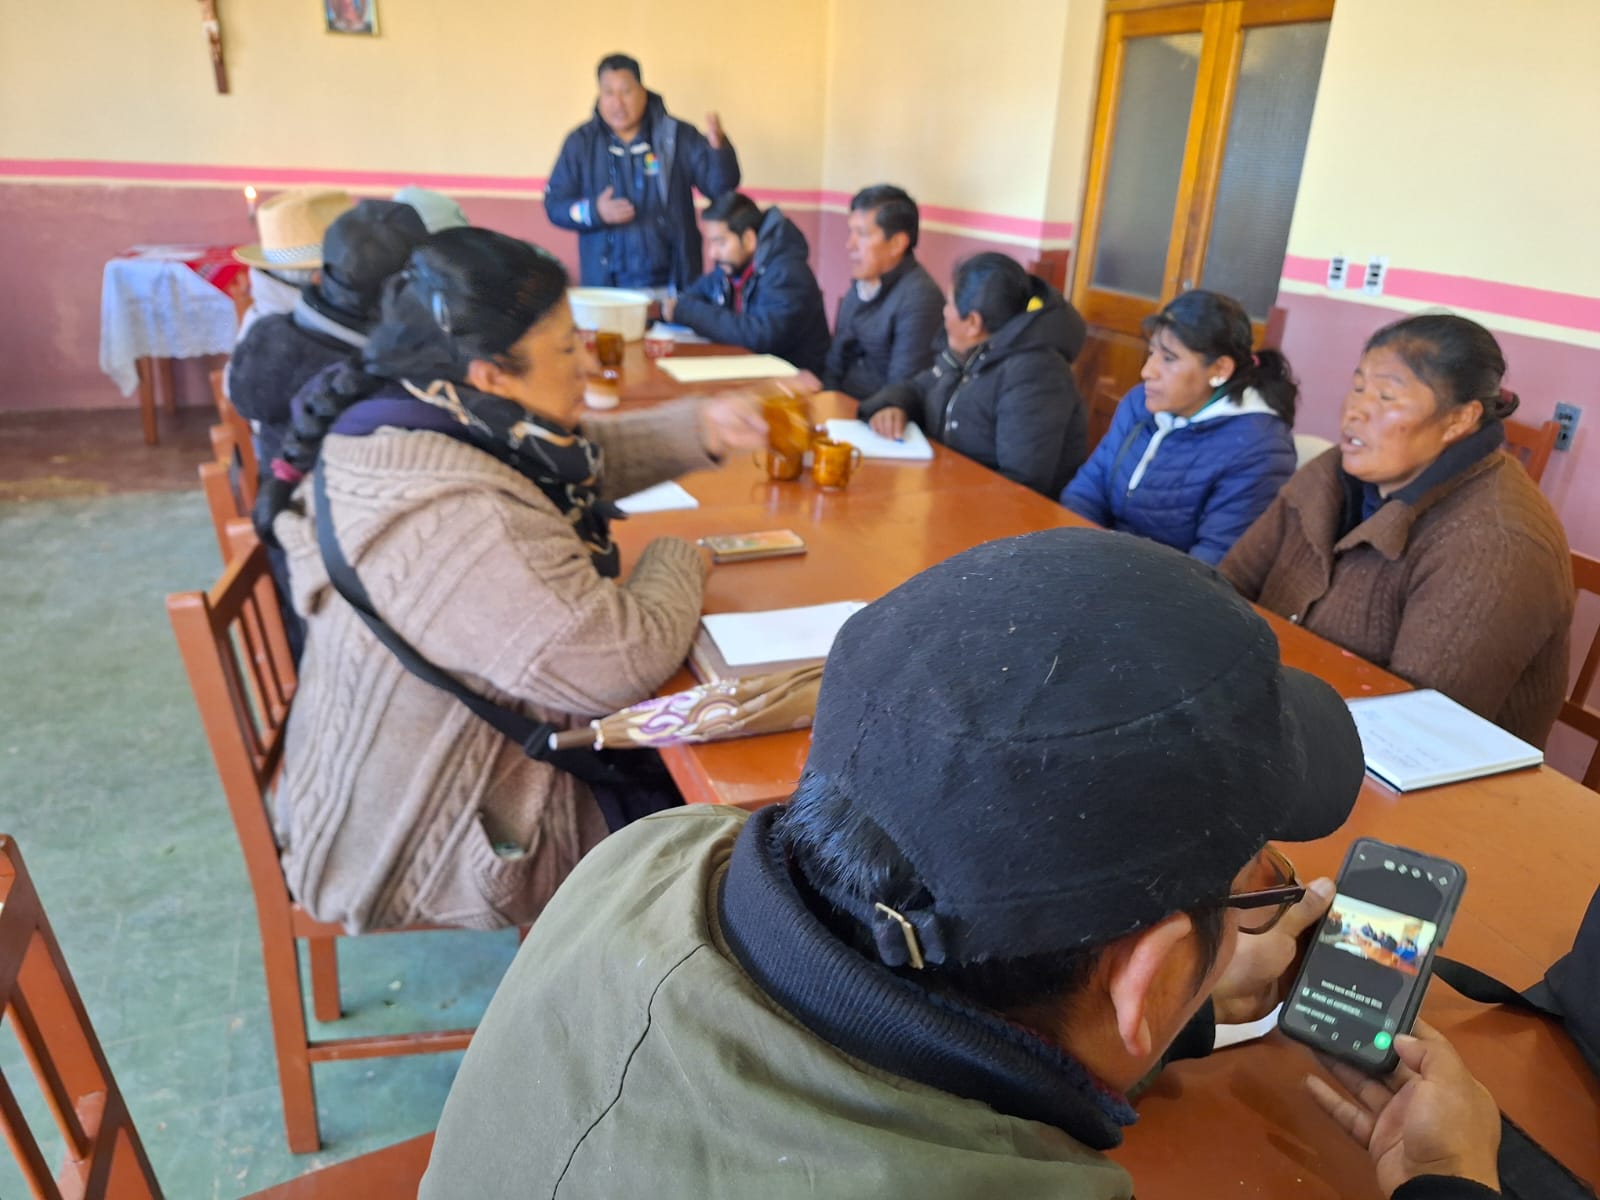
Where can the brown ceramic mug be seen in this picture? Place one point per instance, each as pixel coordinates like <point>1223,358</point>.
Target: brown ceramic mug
<point>833,463</point>
<point>781,465</point>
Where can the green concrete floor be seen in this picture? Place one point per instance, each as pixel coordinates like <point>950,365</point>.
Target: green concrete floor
<point>108,788</point>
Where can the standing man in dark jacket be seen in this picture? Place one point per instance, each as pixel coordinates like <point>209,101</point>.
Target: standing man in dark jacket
<point>890,316</point>
<point>1001,389</point>
<point>623,183</point>
<point>761,294</point>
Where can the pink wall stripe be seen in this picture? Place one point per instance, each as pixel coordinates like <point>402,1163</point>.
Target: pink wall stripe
<point>1566,309</point>
<point>981,222</point>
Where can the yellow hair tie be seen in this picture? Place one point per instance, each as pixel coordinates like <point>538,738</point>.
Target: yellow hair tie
<point>1035,304</point>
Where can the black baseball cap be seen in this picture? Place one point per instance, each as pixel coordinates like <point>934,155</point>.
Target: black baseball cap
<point>1070,735</point>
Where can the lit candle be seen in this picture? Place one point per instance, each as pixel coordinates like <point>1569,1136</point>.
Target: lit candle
<point>250,202</point>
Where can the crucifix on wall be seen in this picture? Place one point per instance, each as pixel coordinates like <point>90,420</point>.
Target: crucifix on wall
<point>213,28</point>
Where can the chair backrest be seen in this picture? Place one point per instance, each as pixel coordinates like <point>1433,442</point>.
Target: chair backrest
<point>237,658</point>
<point>222,501</point>
<point>1306,447</point>
<point>104,1157</point>
<point>1575,711</point>
<point>1051,266</point>
<point>218,396</point>
<point>239,449</point>
<point>1532,445</point>
<point>1103,401</point>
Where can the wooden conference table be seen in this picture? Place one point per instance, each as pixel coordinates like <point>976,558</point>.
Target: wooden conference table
<point>1240,1122</point>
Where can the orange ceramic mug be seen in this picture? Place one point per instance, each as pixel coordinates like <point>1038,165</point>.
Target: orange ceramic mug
<point>608,347</point>
<point>833,463</point>
<point>781,465</point>
<point>788,424</point>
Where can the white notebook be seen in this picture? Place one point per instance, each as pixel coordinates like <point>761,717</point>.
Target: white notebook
<point>1424,739</point>
<point>711,368</point>
<point>913,445</point>
<point>779,634</point>
<point>664,497</point>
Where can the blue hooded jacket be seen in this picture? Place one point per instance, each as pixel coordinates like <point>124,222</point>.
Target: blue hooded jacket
<point>661,245</point>
<point>1194,483</point>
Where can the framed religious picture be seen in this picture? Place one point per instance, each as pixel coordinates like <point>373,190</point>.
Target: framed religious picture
<point>351,16</point>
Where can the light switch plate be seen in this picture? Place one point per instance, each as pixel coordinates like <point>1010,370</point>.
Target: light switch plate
<point>1377,269</point>
<point>1567,417</point>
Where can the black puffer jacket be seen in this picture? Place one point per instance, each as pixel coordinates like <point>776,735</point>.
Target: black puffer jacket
<point>1012,404</point>
<point>269,365</point>
<point>887,339</point>
<point>783,312</point>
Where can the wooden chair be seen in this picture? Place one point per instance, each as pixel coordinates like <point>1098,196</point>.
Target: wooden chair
<point>1051,266</point>
<point>218,396</point>
<point>223,503</point>
<point>105,1157</point>
<point>1575,710</point>
<point>1532,445</point>
<point>233,445</point>
<point>1103,401</point>
<point>103,1154</point>
<point>237,658</point>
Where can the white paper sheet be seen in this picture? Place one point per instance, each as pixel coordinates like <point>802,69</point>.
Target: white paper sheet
<point>779,634</point>
<point>913,447</point>
<point>710,368</point>
<point>1233,1035</point>
<point>664,497</point>
<point>681,334</point>
<point>1423,739</point>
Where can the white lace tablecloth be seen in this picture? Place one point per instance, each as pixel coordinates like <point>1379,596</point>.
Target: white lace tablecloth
<point>154,305</point>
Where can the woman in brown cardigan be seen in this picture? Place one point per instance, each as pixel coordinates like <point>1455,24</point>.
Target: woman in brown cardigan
<point>473,502</point>
<point>1416,543</point>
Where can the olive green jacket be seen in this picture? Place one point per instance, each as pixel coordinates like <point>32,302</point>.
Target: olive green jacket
<point>628,1054</point>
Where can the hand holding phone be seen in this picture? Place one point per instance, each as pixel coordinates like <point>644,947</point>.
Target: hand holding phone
<point>1363,978</point>
<point>1430,1117</point>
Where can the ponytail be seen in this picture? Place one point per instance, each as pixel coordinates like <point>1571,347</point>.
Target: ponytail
<point>1216,326</point>
<point>319,404</point>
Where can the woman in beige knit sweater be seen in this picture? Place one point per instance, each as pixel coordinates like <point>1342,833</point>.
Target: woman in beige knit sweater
<point>1416,543</point>
<point>473,504</point>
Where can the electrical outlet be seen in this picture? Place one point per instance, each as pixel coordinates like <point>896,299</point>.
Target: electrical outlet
<point>1338,270</point>
<point>1567,417</point>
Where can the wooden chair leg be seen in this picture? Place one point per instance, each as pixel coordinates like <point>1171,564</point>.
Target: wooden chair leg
<point>147,399</point>
<point>286,1003</point>
<point>324,977</point>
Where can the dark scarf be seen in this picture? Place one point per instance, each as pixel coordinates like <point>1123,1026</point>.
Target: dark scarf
<point>1362,500</point>
<point>867,1011</point>
<point>562,464</point>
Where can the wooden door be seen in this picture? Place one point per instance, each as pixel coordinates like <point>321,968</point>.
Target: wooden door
<point>1200,130</point>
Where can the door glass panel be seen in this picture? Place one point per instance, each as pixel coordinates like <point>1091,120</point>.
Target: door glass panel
<point>1152,125</point>
<point>1277,89</point>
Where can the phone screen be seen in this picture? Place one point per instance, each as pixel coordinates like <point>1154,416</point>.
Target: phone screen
<point>1366,968</point>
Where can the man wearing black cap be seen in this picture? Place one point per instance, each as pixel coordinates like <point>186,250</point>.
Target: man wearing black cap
<point>1022,866</point>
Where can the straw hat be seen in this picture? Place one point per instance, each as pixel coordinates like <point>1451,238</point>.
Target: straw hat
<point>292,225</point>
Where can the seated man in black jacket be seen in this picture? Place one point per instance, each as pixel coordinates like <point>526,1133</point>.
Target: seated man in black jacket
<point>890,316</point>
<point>762,294</point>
<point>1001,389</point>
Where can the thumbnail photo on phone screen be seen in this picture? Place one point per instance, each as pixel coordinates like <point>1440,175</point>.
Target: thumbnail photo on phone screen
<point>1364,966</point>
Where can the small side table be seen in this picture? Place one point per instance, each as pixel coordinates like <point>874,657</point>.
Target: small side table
<point>158,303</point>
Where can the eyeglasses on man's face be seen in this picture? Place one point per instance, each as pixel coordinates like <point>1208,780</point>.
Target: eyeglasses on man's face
<point>1285,892</point>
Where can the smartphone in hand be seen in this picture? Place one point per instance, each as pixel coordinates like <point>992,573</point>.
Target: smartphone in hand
<point>1363,978</point>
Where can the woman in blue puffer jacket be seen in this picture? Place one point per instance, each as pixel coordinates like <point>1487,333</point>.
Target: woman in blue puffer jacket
<point>1200,447</point>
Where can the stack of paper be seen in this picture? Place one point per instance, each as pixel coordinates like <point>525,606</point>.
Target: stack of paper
<point>912,446</point>
<point>718,368</point>
<point>1424,739</point>
<point>664,497</point>
<point>734,645</point>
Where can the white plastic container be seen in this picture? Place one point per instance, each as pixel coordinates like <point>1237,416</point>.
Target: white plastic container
<point>613,310</point>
